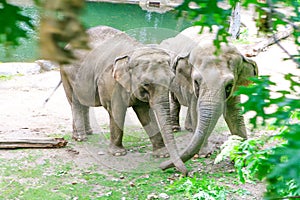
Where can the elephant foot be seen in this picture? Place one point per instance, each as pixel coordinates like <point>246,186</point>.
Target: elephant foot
<point>176,128</point>
<point>189,129</point>
<point>117,151</point>
<point>161,153</point>
<point>89,132</point>
<point>206,150</point>
<point>79,137</point>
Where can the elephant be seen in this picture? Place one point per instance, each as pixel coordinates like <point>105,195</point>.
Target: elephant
<point>205,82</point>
<point>183,44</point>
<point>119,72</point>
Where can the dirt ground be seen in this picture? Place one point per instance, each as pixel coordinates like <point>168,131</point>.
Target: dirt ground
<point>24,115</point>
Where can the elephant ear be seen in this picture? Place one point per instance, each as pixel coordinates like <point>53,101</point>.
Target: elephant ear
<point>248,69</point>
<point>182,66</point>
<point>183,72</point>
<point>121,72</point>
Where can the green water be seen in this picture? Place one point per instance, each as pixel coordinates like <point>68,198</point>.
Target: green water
<point>145,26</point>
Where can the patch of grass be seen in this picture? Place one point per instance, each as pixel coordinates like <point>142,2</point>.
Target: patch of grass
<point>66,136</point>
<point>36,176</point>
<point>92,139</point>
<point>29,179</point>
<point>139,186</point>
<point>202,187</point>
<point>10,188</point>
<point>8,77</point>
<point>5,77</point>
<point>66,181</point>
<point>45,181</point>
<point>136,139</point>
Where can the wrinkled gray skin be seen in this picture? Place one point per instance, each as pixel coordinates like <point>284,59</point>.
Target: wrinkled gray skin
<point>117,73</point>
<point>205,83</point>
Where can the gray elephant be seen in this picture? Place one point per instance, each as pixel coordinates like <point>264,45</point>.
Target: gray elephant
<point>205,82</point>
<point>119,72</point>
<point>181,45</point>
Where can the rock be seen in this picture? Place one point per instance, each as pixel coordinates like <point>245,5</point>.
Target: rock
<point>163,196</point>
<point>14,68</point>
<point>152,196</point>
<point>101,153</point>
<point>131,184</point>
<point>47,65</point>
<point>160,196</point>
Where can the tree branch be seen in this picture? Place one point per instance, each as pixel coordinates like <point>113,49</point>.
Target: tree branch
<point>259,47</point>
<point>272,12</point>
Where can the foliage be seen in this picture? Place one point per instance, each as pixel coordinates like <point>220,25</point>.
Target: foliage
<point>60,26</point>
<point>248,158</point>
<point>279,165</point>
<point>38,176</point>
<point>207,13</point>
<point>259,158</point>
<point>227,147</point>
<point>199,189</point>
<point>14,24</point>
<point>261,101</point>
<point>5,77</point>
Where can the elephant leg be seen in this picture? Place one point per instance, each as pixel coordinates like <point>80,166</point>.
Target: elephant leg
<point>191,116</point>
<point>234,118</point>
<point>79,113</point>
<point>117,118</point>
<point>175,110</point>
<point>148,121</point>
<point>117,112</point>
<point>87,126</point>
<point>205,150</point>
<point>188,125</point>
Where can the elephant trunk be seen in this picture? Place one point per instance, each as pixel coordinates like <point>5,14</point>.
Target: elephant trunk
<point>208,115</point>
<point>161,108</point>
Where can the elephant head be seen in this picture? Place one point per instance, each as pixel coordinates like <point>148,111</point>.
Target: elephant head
<point>212,79</point>
<point>146,75</point>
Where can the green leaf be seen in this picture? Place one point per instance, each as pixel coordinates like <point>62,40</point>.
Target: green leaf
<point>14,24</point>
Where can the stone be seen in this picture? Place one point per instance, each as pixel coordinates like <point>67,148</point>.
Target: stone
<point>163,196</point>
<point>14,68</point>
<point>47,65</point>
<point>152,196</point>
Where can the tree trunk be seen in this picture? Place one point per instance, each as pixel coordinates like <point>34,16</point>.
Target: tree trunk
<point>261,46</point>
<point>32,143</point>
<point>235,21</point>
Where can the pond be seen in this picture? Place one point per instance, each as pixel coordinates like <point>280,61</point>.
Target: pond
<point>147,27</point>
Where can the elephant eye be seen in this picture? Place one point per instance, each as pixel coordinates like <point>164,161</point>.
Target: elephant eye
<point>228,89</point>
<point>145,85</point>
<point>144,93</point>
<point>144,90</point>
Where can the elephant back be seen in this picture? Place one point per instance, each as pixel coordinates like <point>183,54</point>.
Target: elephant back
<point>183,43</point>
<point>96,64</point>
<point>100,34</point>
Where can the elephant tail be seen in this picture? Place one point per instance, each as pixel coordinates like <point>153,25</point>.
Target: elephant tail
<point>46,100</point>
